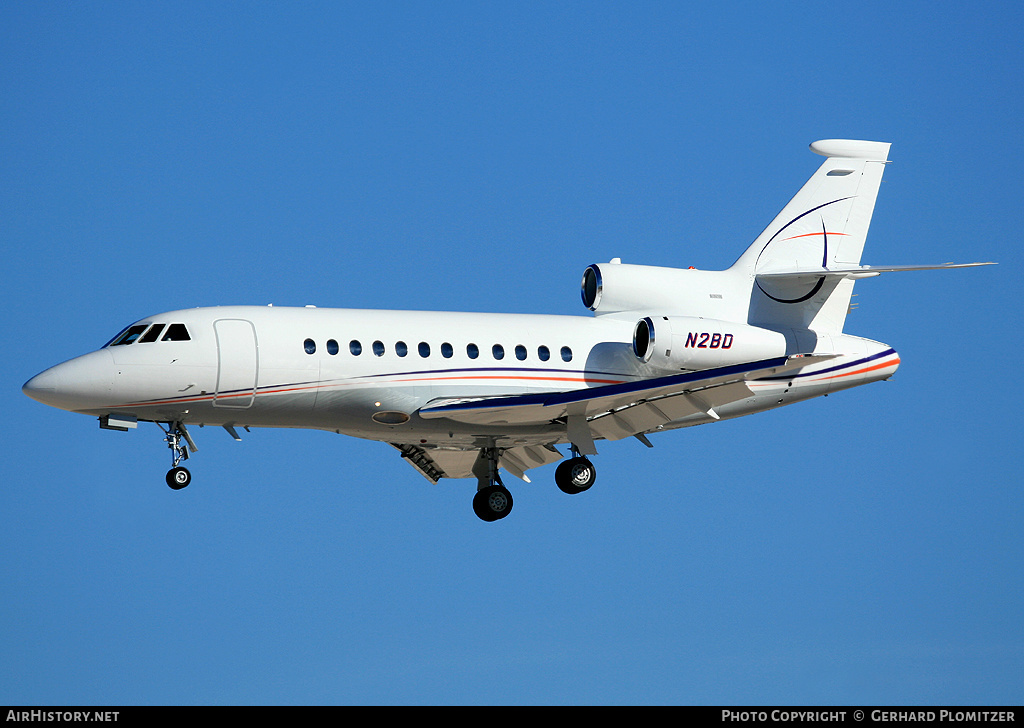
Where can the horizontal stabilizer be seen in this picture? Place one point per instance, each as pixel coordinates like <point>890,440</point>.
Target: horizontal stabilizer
<point>855,272</point>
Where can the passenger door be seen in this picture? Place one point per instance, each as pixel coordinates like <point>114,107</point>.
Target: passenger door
<point>237,363</point>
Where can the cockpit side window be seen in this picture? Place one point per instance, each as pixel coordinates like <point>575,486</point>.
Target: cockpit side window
<point>176,332</point>
<point>153,334</point>
<point>134,333</point>
<point>116,337</point>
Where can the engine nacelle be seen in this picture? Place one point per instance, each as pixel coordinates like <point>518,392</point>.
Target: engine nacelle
<point>689,342</point>
<point>616,287</point>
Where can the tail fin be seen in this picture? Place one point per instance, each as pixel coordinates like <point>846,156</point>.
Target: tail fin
<point>822,230</point>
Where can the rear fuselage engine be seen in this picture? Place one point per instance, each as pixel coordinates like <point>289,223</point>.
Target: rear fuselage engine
<point>687,318</point>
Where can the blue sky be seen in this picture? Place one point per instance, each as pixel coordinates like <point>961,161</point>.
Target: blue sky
<point>859,549</point>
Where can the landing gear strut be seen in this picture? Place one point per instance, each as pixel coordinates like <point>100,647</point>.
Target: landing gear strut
<point>492,500</point>
<point>178,477</point>
<point>576,474</point>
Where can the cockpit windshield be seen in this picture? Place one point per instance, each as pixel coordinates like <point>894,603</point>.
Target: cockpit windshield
<point>148,333</point>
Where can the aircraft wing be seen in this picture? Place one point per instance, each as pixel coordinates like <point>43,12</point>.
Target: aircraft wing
<point>616,411</point>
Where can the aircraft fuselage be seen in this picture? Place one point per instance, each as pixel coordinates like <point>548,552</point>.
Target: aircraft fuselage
<point>366,373</point>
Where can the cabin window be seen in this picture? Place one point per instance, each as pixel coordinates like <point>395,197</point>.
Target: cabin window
<point>424,349</point>
<point>472,351</point>
<point>566,353</point>
<point>447,350</point>
<point>332,347</point>
<point>310,346</point>
<point>520,352</point>
<point>543,353</point>
<point>153,334</point>
<point>176,332</point>
<point>401,348</point>
<point>129,336</point>
<point>498,351</point>
<point>355,347</point>
<point>378,348</point>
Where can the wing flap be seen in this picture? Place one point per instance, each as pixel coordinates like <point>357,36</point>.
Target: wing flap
<point>518,460</point>
<point>652,414</point>
<point>627,422</point>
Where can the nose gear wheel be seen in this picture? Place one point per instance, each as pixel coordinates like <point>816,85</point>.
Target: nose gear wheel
<point>178,477</point>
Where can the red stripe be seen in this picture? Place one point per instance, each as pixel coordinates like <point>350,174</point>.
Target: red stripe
<point>283,390</point>
<point>865,370</point>
<point>807,235</point>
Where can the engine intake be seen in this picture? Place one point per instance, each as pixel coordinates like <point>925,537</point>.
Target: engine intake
<point>643,339</point>
<point>592,287</point>
<point>692,343</point>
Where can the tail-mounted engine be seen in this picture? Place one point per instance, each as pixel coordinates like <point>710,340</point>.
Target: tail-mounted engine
<point>687,342</point>
<point>702,335</point>
<point>612,288</point>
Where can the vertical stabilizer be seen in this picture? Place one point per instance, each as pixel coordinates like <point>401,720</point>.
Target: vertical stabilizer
<point>822,228</point>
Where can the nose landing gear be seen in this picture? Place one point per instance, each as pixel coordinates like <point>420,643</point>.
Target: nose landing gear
<point>178,477</point>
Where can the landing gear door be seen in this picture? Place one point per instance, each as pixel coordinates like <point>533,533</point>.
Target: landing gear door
<point>237,363</point>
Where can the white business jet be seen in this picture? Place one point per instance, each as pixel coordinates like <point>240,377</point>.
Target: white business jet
<point>463,395</point>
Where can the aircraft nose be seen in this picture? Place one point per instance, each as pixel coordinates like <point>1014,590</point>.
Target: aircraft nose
<point>78,384</point>
<point>41,386</point>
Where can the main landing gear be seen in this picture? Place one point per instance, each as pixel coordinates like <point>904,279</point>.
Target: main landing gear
<point>493,501</point>
<point>178,477</point>
<point>575,475</point>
